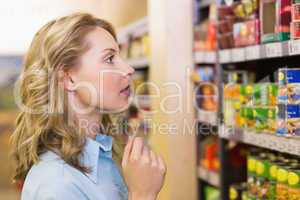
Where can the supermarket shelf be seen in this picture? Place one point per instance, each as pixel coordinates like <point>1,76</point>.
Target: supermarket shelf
<point>139,63</point>
<point>263,51</point>
<point>209,117</point>
<point>264,140</point>
<point>205,57</point>
<point>209,176</point>
<point>134,29</point>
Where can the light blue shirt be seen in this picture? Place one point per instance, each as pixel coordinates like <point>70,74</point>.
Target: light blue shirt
<point>53,179</point>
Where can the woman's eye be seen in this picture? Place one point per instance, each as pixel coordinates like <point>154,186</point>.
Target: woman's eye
<point>110,59</point>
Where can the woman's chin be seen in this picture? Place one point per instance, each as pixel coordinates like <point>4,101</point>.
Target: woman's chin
<point>120,107</point>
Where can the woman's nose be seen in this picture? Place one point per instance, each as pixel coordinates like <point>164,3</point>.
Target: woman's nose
<point>129,71</point>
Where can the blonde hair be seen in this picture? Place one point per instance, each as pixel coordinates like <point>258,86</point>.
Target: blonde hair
<point>58,44</point>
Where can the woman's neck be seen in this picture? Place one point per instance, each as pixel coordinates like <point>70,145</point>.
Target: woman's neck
<point>89,121</point>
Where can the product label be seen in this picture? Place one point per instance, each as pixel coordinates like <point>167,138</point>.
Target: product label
<point>273,171</point>
<point>281,76</point>
<point>260,168</point>
<point>293,75</point>
<point>251,164</point>
<point>282,175</point>
<point>293,178</point>
<point>293,111</point>
<point>293,93</point>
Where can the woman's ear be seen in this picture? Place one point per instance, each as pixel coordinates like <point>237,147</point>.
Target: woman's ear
<point>67,80</point>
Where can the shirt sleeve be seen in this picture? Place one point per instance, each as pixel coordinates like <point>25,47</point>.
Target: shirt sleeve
<point>59,191</point>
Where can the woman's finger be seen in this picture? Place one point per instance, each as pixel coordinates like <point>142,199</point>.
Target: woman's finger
<point>146,157</point>
<point>153,157</point>
<point>161,163</point>
<point>127,150</point>
<point>137,148</point>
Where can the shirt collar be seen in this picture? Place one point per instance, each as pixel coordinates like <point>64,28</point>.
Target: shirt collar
<point>91,153</point>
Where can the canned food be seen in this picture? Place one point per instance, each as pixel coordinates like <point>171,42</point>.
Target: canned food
<point>296,11</point>
<point>262,172</point>
<point>282,87</point>
<point>246,91</point>
<point>260,94</point>
<point>261,118</point>
<point>243,118</point>
<point>282,183</point>
<point>250,118</point>
<point>293,120</point>
<point>251,171</point>
<point>295,29</point>
<point>281,120</point>
<point>273,179</point>
<point>236,191</point>
<point>272,123</point>
<point>272,94</point>
<point>294,183</point>
<point>293,85</point>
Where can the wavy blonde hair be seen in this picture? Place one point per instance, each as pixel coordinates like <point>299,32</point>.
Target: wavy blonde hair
<point>58,44</point>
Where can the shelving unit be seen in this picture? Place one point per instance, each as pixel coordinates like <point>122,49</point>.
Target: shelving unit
<point>259,52</point>
<point>208,117</point>
<point>211,177</point>
<point>267,55</point>
<point>208,57</point>
<point>263,140</point>
<point>135,29</point>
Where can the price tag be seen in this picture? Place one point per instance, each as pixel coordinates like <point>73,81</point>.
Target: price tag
<point>199,57</point>
<point>253,52</point>
<point>294,47</point>
<point>225,56</point>
<point>210,57</point>
<point>238,54</point>
<point>273,50</point>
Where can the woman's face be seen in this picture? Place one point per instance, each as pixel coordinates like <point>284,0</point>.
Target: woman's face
<point>102,79</point>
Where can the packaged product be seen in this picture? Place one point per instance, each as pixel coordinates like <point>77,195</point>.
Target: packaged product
<point>282,88</point>
<point>272,94</point>
<point>272,123</point>
<point>294,183</point>
<point>251,175</point>
<point>293,85</point>
<point>246,93</point>
<point>295,11</point>
<point>261,115</point>
<point>250,118</point>
<point>281,126</point>
<point>293,119</point>
<point>295,30</point>
<point>282,182</point>
<point>237,191</point>
<point>262,172</point>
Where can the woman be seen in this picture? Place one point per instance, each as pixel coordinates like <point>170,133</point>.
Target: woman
<point>64,146</point>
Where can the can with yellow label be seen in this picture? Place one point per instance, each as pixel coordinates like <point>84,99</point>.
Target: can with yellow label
<point>282,182</point>
<point>294,183</point>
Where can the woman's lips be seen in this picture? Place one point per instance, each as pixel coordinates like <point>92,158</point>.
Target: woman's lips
<point>126,91</point>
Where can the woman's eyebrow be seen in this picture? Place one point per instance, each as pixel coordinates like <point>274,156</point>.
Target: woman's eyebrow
<point>110,49</point>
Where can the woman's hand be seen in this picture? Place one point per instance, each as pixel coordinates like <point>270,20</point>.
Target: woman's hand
<point>143,170</point>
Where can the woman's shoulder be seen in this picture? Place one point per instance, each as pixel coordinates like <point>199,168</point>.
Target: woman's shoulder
<point>50,166</point>
<point>47,178</point>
